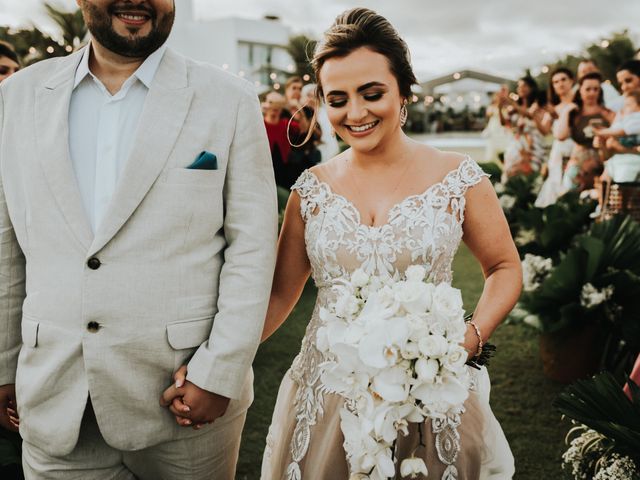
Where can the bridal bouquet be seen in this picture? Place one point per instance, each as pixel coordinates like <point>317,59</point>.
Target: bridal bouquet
<point>394,352</point>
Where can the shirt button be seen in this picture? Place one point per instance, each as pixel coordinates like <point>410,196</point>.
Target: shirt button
<point>93,263</point>
<point>93,327</point>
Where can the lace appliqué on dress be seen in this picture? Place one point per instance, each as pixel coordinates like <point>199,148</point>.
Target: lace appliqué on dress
<point>424,229</point>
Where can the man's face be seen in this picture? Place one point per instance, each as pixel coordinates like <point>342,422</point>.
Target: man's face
<point>7,67</point>
<point>131,28</point>
<point>586,67</point>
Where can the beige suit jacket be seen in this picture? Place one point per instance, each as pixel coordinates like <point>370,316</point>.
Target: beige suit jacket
<point>184,263</point>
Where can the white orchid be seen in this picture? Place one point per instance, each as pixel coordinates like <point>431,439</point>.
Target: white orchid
<point>434,346</point>
<point>412,467</point>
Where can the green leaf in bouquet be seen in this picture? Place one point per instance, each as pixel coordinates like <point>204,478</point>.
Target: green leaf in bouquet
<point>601,404</point>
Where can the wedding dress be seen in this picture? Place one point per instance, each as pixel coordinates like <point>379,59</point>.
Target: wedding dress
<point>305,440</point>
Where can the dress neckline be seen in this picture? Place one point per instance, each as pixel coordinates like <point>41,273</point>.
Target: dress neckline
<point>391,212</point>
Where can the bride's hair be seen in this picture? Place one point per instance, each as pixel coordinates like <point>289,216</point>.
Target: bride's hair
<point>358,28</point>
<point>361,27</point>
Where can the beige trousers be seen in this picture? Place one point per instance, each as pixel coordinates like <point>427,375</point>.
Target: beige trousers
<point>210,456</point>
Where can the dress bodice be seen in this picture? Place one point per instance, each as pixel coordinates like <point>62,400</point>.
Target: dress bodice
<point>423,229</point>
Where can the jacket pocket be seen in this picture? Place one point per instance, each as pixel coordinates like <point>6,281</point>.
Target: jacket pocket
<point>30,332</point>
<point>189,334</point>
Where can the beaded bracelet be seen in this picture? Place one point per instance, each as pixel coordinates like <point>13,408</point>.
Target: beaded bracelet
<point>479,335</point>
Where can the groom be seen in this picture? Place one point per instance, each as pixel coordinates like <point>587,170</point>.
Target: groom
<point>137,235</point>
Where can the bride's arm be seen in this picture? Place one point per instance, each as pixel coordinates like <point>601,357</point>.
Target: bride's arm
<point>292,268</point>
<point>487,235</point>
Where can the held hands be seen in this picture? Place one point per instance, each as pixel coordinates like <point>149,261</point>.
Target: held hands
<point>8,410</point>
<point>191,405</point>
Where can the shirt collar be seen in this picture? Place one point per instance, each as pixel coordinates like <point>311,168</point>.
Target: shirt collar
<point>145,72</point>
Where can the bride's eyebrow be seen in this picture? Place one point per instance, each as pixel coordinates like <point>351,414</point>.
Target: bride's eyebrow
<point>361,88</point>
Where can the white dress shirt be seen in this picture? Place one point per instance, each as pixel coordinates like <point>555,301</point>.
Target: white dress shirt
<point>102,129</point>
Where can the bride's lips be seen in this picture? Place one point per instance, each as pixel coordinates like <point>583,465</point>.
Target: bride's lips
<point>363,129</point>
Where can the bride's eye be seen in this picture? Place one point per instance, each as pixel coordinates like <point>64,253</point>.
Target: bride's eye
<point>338,103</point>
<point>372,97</point>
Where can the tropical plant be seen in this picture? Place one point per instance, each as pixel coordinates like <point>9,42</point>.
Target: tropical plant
<point>301,49</point>
<point>71,24</point>
<point>607,437</point>
<point>596,281</point>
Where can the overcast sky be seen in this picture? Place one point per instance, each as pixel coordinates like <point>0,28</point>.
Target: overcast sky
<point>497,36</point>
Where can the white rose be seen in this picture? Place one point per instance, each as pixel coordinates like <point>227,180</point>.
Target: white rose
<point>455,359</point>
<point>456,331</point>
<point>447,301</point>
<point>346,306</point>
<point>416,273</point>
<point>427,369</point>
<point>359,278</point>
<point>415,297</point>
<point>434,346</point>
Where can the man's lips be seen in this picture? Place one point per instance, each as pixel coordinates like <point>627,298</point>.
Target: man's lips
<point>133,18</point>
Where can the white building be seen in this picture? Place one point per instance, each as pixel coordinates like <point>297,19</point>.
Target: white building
<point>251,48</point>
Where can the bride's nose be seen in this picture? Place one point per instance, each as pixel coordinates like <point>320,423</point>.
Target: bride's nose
<point>357,111</point>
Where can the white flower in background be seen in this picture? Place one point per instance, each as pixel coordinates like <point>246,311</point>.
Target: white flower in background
<point>412,467</point>
<point>591,297</point>
<point>537,184</point>
<point>525,237</point>
<point>534,270</point>
<point>507,202</point>
<point>499,187</point>
<point>618,468</point>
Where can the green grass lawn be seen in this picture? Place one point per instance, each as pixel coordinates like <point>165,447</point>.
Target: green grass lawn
<point>521,397</point>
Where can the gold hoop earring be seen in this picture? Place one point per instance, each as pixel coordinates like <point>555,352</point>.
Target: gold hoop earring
<point>404,114</point>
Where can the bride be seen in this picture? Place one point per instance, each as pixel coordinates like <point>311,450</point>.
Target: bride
<point>384,204</point>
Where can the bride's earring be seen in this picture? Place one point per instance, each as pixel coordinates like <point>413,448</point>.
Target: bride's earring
<point>404,114</point>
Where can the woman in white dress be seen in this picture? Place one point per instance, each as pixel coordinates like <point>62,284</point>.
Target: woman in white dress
<point>384,204</point>
<point>560,99</point>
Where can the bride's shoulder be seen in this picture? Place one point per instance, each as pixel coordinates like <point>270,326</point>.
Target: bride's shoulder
<point>441,161</point>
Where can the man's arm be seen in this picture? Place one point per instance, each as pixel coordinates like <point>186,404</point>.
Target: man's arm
<point>221,364</point>
<point>12,293</point>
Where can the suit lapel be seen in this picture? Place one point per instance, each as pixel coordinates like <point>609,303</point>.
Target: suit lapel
<point>52,134</point>
<point>161,121</point>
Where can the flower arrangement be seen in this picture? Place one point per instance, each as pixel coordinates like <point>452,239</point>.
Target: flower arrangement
<point>596,281</point>
<point>606,441</point>
<point>394,353</point>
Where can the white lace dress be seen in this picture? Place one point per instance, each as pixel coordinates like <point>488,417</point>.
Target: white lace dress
<point>305,440</point>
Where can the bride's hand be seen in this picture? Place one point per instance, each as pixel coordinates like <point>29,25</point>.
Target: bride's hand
<point>471,342</point>
<point>173,398</point>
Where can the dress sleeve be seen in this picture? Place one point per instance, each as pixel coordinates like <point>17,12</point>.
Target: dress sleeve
<point>468,174</point>
<point>311,193</point>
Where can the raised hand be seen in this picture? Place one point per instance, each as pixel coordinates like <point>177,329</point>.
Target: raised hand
<point>191,405</point>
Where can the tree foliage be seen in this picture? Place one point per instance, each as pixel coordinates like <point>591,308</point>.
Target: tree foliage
<point>301,49</point>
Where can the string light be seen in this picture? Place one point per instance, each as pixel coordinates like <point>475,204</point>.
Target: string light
<point>276,86</point>
<point>545,69</point>
<point>604,43</point>
<point>69,48</point>
<point>306,77</point>
<point>273,76</point>
<point>50,49</point>
<point>456,76</point>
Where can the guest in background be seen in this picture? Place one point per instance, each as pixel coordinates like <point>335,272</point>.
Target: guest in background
<point>328,144</point>
<point>578,122</point>
<point>9,63</point>
<point>279,144</point>
<point>498,137</point>
<point>612,98</point>
<point>292,93</point>
<point>525,152</point>
<point>560,96</point>
<point>624,164</point>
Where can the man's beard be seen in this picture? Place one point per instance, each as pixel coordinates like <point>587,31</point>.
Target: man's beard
<point>99,23</point>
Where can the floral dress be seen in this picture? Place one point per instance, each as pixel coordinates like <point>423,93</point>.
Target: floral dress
<point>305,439</point>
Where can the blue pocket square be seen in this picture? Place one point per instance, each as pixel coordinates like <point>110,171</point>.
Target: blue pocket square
<point>204,161</point>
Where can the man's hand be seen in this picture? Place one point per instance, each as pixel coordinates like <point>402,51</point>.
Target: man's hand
<point>191,405</point>
<point>8,407</point>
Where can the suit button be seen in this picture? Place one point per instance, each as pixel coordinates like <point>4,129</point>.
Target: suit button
<point>93,327</point>
<point>93,263</point>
